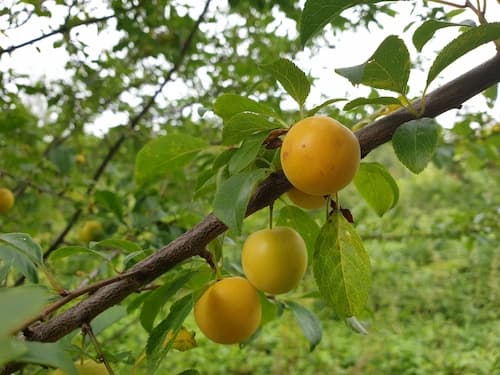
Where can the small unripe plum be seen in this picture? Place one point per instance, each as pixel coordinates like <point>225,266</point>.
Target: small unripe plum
<point>274,260</point>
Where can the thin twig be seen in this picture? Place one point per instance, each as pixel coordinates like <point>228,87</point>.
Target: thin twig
<point>40,189</point>
<point>87,331</point>
<point>64,28</point>
<point>71,296</point>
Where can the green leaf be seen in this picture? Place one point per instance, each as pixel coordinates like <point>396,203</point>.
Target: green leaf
<point>414,143</point>
<point>269,309</point>
<point>342,267</point>
<point>110,201</point>
<point>326,103</point>
<point>23,303</point>
<point>10,349</point>
<point>157,299</point>
<point>108,318</point>
<point>231,198</point>
<point>23,243</point>
<point>243,125</point>
<point>165,155</point>
<point>178,313</point>
<point>464,43</point>
<point>68,251</point>
<point>247,152</point>
<point>228,105</point>
<point>126,245</point>
<point>388,68</point>
<point>382,100</point>
<point>293,80</point>
<point>376,185</point>
<point>308,322</point>
<point>49,354</point>
<point>20,251</point>
<point>318,13</point>
<point>426,30</point>
<point>302,222</point>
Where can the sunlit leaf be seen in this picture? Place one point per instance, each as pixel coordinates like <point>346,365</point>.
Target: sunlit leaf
<point>318,13</point>
<point>247,152</point>
<point>293,80</point>
<point>342,267</point>
<point>228,105</point>
<point>464,43</point>
<point>245,124</point>
<point>381,100</point>
<point>388,68</point>
<point>326,103</point>
<point>425,32</point>
<point>231,198</point>
<point>165,155</point>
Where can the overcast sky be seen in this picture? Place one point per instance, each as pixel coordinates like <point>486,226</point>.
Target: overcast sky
<point>350,48</point>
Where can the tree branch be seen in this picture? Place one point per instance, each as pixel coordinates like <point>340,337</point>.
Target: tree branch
<point>451,95</point>
<point>64,28</point>
<point>132,125</point>
<point>193,242</point>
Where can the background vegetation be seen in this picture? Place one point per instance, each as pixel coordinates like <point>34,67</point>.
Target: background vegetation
<point>434,305</point>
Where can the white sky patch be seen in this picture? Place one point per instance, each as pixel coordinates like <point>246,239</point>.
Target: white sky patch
<point>42,61</point>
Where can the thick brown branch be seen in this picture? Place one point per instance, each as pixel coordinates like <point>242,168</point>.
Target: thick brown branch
<point>451,95</point>
<point>193,242</point>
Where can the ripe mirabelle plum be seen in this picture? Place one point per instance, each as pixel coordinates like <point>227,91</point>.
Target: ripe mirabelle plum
<point>90,231</point>
<point>320,156</point>
<point>6,200</point>
<point>274,260</point>
<point>304,200</point>
<point>229,311</point>
<point>88,367</point>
